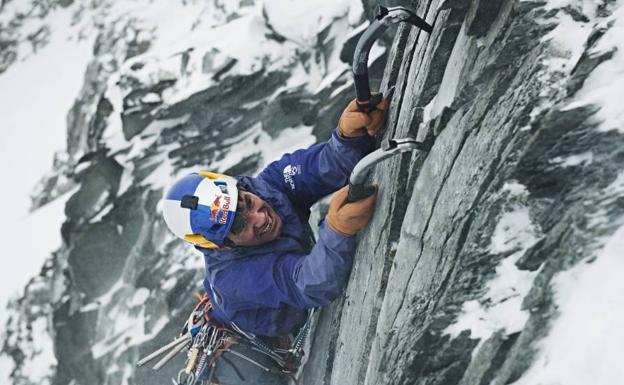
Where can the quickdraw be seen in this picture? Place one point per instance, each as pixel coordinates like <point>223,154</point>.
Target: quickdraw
<point>206,341</point>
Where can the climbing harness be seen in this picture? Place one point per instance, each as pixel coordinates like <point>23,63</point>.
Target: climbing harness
<point>206,341</point>
<point>359,188</point>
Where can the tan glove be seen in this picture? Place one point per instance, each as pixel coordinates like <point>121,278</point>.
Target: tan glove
<point>349,218</point>
<point>353,123</point>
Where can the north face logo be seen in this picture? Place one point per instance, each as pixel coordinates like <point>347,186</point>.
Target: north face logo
<point>289,172</point>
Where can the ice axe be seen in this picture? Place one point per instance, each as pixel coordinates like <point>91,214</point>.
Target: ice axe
<point>359,188</point>
<point>384,17</point>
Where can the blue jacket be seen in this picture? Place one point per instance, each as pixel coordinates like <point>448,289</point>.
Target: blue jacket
<point>267,289</point>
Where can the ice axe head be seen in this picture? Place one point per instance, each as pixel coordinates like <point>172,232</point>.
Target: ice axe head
<point>384,18</point>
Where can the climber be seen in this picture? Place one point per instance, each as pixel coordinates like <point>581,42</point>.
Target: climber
<point>263,270</point>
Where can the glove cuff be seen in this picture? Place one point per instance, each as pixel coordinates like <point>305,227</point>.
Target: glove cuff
<point>330,220</point>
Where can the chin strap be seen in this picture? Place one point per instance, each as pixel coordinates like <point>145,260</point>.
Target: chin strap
<point>199,240</point>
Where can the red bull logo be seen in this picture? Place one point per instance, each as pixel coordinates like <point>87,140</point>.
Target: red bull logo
<point>217,207</point>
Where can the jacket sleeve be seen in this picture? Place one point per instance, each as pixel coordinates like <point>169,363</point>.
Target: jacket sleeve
<point>301,281</point>
<point>309,174</point>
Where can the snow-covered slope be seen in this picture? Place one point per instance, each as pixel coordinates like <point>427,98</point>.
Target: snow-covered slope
<point>492,259</point>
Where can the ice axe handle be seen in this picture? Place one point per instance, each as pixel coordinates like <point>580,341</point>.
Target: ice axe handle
<point>368,104</point>
<point>359,191</point>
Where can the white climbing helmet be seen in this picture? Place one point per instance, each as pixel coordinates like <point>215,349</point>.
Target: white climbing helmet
<point>200,208</point>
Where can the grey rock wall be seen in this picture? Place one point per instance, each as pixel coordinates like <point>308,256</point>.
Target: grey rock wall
<point>498,117</point>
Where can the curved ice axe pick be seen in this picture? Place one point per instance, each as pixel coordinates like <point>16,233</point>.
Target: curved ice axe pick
<point>359,188</point>
<point>383,19</point>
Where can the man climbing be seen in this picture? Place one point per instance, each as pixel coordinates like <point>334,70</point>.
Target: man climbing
<point>263,269</point>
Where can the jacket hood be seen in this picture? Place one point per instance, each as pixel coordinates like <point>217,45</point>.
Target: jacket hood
<point>296,233</point>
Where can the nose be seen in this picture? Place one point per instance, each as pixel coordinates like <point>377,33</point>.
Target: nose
<point>255,217</point>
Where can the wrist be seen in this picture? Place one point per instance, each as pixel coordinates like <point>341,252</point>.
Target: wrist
<point>336,229</point>
<point>351,134</point>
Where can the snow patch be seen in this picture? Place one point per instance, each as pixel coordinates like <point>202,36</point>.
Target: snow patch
<point>603,87</point>
<point>41,365</point>
<point>301,22</point>
<point>585,345</point>
<point>289,140</point>
<point>566,43</point>
<point>27,257</point>
<point>124,313</point>
<point>140,296</point>
<point>35,94</point>
<point>574,160</point>
<point>105,210</point>
<point>500,307</point>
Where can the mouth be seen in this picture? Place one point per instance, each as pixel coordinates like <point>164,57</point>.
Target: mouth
<point>268,226</point>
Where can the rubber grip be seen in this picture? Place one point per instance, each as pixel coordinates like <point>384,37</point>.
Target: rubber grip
<point>370,104</point>
<point>359,191</point>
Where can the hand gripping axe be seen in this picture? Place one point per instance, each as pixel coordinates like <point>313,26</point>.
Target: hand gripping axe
<point>359,188</point>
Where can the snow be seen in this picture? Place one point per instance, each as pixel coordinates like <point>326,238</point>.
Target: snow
<point>40,366</point>
<point>585,345</point>
<point>500,307</point>
<point>289,140</point>
<point>427,110</point>
<point>163,61</point>
<point>35,95</point>
<point>566,42</point>
<point>105,210</point>
<point>6,366</point>
<point>140,296</point>
<point>301,22</point>
<point>125,319</point>
<point>24,256</point>
<point>605,84</point>
<point>574,160</point>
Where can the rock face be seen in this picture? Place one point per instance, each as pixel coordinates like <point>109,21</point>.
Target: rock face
<point>506,141</point>
<point>522,181</point>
